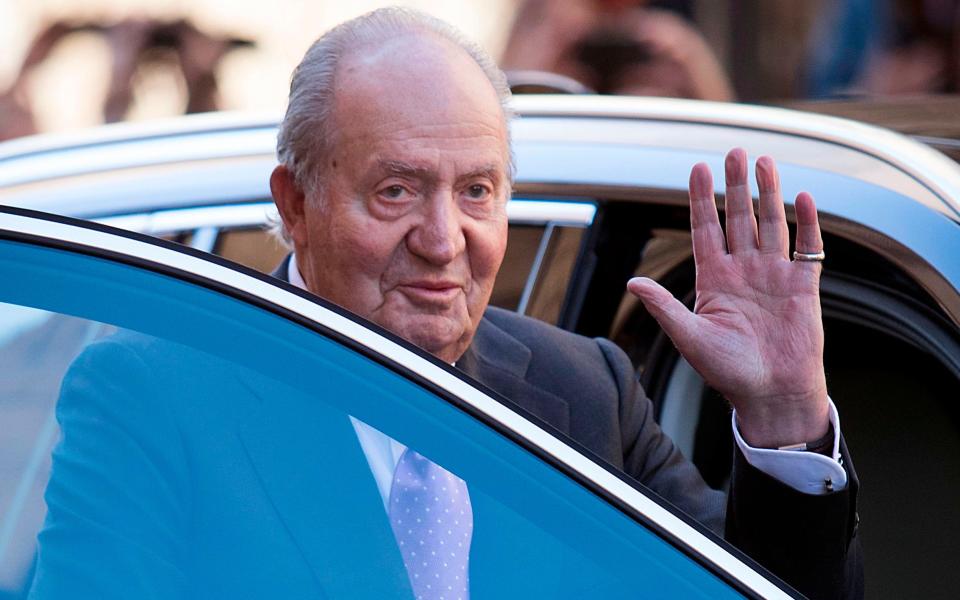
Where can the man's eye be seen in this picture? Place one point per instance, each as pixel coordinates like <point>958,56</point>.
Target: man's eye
<point>393,192</point>
<point>477,191</point>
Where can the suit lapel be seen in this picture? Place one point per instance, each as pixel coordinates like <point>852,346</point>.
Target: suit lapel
<point>500,362</point>
<point>313,469</point>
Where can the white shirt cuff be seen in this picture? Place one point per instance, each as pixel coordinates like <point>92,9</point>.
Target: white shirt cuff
<point>807,472</point>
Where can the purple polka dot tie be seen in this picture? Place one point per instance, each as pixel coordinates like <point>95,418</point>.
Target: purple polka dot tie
<point>433,523</point>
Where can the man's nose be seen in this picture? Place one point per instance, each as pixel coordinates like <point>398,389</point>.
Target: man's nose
<point>438,236</point>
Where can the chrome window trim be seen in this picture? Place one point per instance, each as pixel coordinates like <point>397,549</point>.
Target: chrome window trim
<point>539,212</point>
<point>534,274</point>
<point>937,141</point>
<point>204,239</point>
<point>99,241</point>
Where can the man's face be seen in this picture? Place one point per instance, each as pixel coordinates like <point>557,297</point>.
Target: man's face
<point>410,226</point>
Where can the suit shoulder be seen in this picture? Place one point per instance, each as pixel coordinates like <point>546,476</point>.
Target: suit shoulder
<point>525,328</point>
<point>152,365</point>
<point>551,344</point>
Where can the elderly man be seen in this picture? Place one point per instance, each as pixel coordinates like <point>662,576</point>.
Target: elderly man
<point>393,187</point>
<point>395,176</point>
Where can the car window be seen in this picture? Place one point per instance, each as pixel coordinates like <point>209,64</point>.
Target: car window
<point>523,242</point>
<point>203,443</point>
<point>554,274</point>
<point>253,247</point>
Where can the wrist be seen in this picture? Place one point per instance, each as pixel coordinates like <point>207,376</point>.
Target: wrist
<point>784,422</point>
<point>823,445</point>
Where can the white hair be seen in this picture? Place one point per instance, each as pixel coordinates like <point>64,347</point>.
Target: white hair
<point>302,142</point>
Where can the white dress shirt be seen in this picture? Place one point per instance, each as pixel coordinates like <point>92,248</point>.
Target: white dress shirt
<point>806,472</point>
<point>383,453</point>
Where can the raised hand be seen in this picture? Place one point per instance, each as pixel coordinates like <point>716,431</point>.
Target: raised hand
<point>756,331</point>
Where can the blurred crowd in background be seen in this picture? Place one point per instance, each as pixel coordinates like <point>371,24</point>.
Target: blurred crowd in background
<point>724,50</point>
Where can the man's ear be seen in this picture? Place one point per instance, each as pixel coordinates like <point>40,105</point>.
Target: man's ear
<point>290,201</point>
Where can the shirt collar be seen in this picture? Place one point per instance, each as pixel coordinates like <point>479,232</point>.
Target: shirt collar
<point>293,273</point>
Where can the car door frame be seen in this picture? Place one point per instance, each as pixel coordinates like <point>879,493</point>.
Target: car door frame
<point>211,272</point>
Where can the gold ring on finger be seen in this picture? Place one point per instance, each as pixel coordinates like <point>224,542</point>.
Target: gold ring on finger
<point>809,256</point>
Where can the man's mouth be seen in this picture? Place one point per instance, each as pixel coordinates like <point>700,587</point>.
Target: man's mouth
<point>431,292</point>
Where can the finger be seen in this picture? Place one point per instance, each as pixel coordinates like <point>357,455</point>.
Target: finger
<point>676,319</point>
<point>704,221</point>
<point>774,235</point>
<point>809,240</point>
<point>738,204</point>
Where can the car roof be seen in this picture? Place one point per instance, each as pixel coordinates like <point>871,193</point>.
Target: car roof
<point>928,119</point>
<point>225,157</point>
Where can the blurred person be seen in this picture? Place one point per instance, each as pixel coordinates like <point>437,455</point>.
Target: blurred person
<point>133,42</point>
<point>921,54</point>
<point>843,36</point>
<point>18,119</point>
<point>886,48</point>
<point>394,176</point>
<point>616,47</point>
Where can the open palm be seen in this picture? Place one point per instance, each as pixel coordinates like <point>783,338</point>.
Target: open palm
<point>756,332</point>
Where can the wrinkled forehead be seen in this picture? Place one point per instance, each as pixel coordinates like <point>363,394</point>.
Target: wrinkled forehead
<point>415,61</point>
<point>415,87</point>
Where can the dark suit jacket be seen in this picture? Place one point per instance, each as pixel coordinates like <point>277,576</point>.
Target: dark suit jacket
<point>157,491</point>
<point>587,388</point>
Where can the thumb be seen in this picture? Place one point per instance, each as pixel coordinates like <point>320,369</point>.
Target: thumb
<point>675,318</point>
